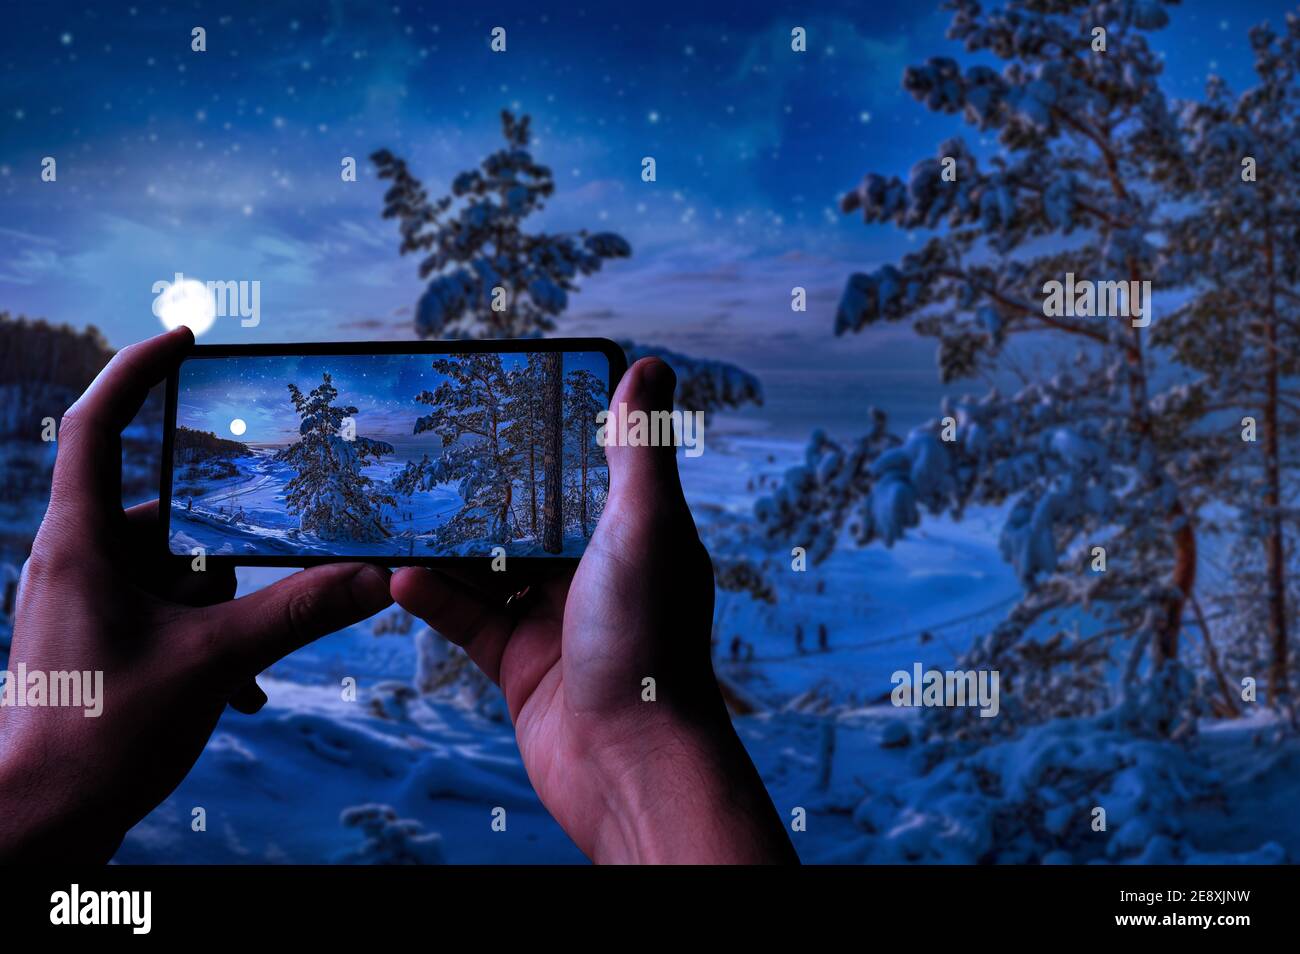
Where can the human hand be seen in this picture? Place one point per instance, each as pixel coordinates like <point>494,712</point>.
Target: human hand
<point>627,779</point>
<point>173,645</point>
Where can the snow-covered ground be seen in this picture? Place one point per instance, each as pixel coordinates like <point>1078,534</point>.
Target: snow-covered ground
<point>247,515</point>
<point>275,786</point>
<point>917,602</point>
<point>418,776</point>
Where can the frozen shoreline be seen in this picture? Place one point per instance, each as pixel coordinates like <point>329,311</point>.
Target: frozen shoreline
<point>248,515</point>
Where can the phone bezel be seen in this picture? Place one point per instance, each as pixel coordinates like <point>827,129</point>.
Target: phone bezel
<point>612,352</point>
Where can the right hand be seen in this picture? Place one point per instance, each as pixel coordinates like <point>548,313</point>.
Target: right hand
<point>629,780</point>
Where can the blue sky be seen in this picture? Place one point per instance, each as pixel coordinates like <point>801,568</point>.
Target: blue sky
<point>224,165</point>
<point>216,392</point>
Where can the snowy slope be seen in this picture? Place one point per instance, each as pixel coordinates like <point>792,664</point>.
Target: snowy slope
<point>275,786</point>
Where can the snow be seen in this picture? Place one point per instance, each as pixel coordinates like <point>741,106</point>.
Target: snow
<point>276,785</point>
<point>245,515</point>
<point>413,769</point>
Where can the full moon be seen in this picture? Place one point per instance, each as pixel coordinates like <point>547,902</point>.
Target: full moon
<point>186,302</point>
<point>237,426</point>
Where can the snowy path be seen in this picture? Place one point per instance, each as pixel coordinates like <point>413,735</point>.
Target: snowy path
<point>247,514</point>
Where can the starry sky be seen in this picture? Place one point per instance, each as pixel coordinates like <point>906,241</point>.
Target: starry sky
<point>215,392</point>
<point>224,165</point>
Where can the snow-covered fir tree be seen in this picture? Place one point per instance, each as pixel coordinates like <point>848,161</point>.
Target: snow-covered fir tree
<point>474,244</point>
<point>1235,253</point>
<point>489,278</point>
<point>470,412</point>
<point>329,492</point>
<point>552,409</point>
<point>1093,453</point>
<point>523,434</point>
<point>584,397</point>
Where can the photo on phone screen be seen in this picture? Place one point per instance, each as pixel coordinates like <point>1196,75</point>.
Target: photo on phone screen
<point>286,457</point>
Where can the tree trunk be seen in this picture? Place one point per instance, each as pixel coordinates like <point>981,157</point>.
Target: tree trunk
<point>552,453</point>
<point>1278,683</point>
<point>582,442</point>
<point>532,467</point>
<point>507,506</point>
<point>1164,646</point>
<point>1229,705</point>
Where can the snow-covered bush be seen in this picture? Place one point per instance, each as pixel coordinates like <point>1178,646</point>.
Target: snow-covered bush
<point>1035,799</point>
<point>445,672</point>
<point>389,840</point>
<point>703,384</point>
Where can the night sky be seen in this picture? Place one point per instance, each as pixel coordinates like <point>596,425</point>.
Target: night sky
<point>224,165</point>
<point>214,392</point>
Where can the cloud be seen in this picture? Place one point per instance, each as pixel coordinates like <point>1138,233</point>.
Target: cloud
<point>28,266</point>
<point>596,314</point>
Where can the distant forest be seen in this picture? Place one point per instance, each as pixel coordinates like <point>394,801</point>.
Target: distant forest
<point>191,445</point>
<point>44,368</point>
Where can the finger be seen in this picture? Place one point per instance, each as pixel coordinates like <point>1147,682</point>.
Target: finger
<point>248,698</point>
<point>176,580</point>
<point>88,466</point>
<point>643,480</point>
<point>142,515</point>
<point>495,586</point>
<point>247,635</point>
<point>463,617</point>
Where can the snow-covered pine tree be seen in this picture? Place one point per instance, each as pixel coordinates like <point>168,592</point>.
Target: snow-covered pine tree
<point>474,242</point>
<point>1093,455</point>
<point>471,408</point>
<point>552,451</point>
<point>1236,254</point>
<point>329,492</point>
<point>523,433</point>
<point>584,397</point>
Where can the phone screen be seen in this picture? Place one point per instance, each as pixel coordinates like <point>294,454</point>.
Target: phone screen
<point>397,453</point>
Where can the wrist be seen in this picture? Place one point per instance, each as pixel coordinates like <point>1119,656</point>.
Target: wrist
<point>40,820</point>
<point>684,791</point>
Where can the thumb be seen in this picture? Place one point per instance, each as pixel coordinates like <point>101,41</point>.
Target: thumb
<point>642,458</point>
<point>257,630</point>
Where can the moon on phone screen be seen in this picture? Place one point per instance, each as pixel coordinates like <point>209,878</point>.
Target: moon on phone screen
<point>237,427</point>
<point>188,303</point>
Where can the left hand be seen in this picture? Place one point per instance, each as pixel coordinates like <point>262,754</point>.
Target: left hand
<point>173,646</point>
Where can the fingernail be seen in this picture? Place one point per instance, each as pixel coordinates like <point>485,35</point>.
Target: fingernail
<point>661,380</point>
<point>370,585</point>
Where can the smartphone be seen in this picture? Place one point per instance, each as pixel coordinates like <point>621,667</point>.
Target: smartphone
<point>398,453</point>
